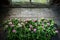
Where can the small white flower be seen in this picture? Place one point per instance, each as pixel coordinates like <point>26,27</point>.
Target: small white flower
<point>28,19</point>
<point>14,31</point>
<point>35,20</point>
<point>12,25</point>
<point>10,22</point>
<point>42,18</point>
<point>34,30</point>
<point>48,24</point>
<point>56,31</point>
<point>19,25</point>
<point>38,20</point>
<point>22,23</point>
<point>30,29</point>
<point>6,26</point>
<point>30,26</point>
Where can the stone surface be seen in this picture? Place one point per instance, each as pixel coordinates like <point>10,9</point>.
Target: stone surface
<point>35,13</point>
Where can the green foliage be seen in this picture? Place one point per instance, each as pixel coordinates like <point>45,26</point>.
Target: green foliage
<point>42,29</point>
<point>28,1</point>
